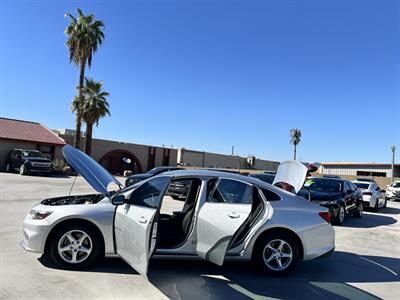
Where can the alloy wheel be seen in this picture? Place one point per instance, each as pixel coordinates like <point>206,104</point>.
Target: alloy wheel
<point>278,255</point>
<point>75,246</point>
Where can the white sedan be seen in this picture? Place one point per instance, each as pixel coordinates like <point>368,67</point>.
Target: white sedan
<point>373,197</point>
<point>393,191</point>
<point>224,216</point>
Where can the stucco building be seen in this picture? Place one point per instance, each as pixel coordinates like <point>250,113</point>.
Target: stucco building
<point>19,134</point>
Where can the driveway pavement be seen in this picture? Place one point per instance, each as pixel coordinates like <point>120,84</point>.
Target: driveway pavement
<point>365,265</point>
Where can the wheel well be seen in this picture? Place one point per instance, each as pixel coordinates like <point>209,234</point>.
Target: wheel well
<point>284,231</point>
<point>75,221</point>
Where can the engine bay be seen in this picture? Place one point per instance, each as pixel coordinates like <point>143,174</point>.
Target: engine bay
<point>73,200</point>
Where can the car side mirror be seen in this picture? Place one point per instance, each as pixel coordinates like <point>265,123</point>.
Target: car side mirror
<point>118,199</point>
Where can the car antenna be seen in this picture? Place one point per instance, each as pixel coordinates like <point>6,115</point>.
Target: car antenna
<point>73,183</point>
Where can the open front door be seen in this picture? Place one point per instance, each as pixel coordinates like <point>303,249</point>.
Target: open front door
<point>225,210</point>
<point>135,224</point>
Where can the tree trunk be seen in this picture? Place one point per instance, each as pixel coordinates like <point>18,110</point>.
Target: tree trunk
<point>294,152</point>
<point>88,139</point>
<point>77,140</point>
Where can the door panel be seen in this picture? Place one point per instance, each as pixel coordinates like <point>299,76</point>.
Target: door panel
<point>225,210</point>
<point>135,223</point>
<point>217,223</point>
<point>133,232</point>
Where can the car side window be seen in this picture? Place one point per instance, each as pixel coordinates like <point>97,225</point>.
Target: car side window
<point>149,193</point>
<point>346,188</point>
<point>231,191</point>
<point>270,195</point>
<point>353,188</point>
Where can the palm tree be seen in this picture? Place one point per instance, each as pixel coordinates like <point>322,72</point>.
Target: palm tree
<point>84,34</point>
<point>93,108</point>
<point>295,139</point>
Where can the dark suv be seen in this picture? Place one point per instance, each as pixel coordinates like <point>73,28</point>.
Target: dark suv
<point>338,195</point>
<point>28,161</point>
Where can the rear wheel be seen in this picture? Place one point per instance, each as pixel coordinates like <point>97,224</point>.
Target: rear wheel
<point>376,206</point>
<point>76,247</point>
<point>339,218</point>
<point>277,254</point>
<point>359,212</point>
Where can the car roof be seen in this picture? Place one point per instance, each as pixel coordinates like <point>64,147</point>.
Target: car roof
<point>208,173</point>
<point>328,179</point>
<point>25,150</point>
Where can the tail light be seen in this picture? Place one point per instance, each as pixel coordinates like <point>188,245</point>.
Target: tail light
<point>367,193</point>
<point>325,215</point>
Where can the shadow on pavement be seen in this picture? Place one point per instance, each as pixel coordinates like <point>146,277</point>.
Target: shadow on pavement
<point>389,210</point>
<point>323,278</point>
<point>106,265</point>
<point>368,220</point>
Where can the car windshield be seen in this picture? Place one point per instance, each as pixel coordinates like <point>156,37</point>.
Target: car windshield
<point>27,153</point>
<point>360,185</point>
<point>396,184</point>
<point>323,185</point>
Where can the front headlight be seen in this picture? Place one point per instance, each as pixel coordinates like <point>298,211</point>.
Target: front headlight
<point>40,215</point>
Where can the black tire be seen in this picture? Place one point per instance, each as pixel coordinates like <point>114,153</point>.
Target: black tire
<point>385,204</point>
<point>97,248</point>
<point>376,206</point>
<point>339,218</point>
<point>261,250</point>
<point>22,170</point>
<point>358,214</point>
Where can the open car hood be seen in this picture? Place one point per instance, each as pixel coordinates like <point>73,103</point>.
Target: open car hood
<point>98,177</point>
<point>291,172</point>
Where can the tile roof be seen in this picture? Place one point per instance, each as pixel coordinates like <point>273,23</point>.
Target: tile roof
<point>27,131</point>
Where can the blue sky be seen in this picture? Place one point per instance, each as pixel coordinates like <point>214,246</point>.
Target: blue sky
<point>210,74</point>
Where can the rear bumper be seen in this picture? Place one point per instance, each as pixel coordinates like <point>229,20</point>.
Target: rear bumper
<point>327,254</point>
<point>318,242</point>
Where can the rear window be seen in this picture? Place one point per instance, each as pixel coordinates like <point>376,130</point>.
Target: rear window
<point>270,195</point>
<point>264,177</point>
<point>360,185</point>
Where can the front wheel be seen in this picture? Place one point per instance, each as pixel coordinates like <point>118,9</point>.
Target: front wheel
<point>22,170</point>
<point>276,255</point>
<point>76,247</point>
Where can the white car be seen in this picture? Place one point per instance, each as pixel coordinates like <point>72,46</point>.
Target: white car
<point>372,194</point>
<point>224,216</point>
<point>393,191</point>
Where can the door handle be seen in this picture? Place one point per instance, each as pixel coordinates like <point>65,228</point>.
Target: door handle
<point>233,215</point>
<point>142,220</point>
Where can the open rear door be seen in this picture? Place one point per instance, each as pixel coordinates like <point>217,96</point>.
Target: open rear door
<point>135,224</point>
<point>226,209</point>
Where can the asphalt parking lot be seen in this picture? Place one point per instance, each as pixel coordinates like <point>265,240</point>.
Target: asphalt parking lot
<point>365,265</point>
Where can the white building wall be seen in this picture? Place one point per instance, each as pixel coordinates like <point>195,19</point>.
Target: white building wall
<point>351,171</point>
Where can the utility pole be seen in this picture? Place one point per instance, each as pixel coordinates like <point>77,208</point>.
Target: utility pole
<point>393,148</point>
<point>233,148</point>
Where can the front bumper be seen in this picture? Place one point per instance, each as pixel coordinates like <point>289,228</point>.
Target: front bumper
<point>38,169</point>
<point>35,234</point>
<point>392,196</point>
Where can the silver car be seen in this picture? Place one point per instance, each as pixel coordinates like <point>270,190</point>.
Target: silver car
<point>224,216</point>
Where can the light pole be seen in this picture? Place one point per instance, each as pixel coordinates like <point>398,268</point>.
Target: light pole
<point>393,151</point>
